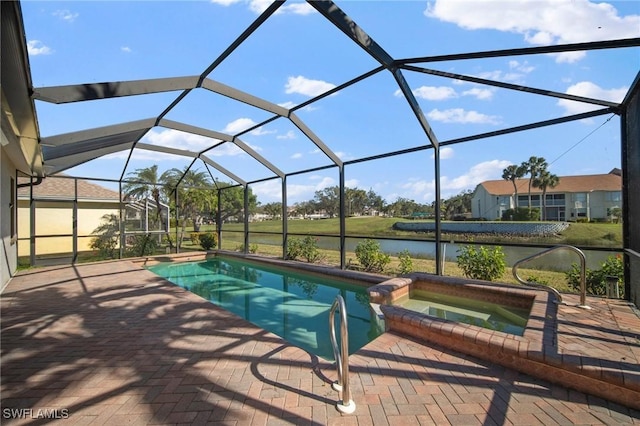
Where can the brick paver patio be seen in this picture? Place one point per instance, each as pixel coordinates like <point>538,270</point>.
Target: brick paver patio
<point>111,343</point>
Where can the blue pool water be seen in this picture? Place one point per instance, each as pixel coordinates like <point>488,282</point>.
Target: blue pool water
<point>285,302</point>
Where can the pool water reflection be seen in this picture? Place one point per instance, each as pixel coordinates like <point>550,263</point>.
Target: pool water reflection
<point>289,303</point>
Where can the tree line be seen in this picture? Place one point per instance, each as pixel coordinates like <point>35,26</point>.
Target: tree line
<point>196,200</point>
<point>359,202</point>
<point>191,193</point>
<point>197,197</point>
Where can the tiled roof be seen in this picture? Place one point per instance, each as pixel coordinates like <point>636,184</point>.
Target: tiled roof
<point>55,188</point>
<point>567,184</point>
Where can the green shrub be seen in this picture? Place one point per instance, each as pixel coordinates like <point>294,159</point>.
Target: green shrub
<point>596,279</point>
<point>310,251</point>
<point>370,257</point>
<point>482,263</point>
<point>521,214</point>
<point>306,249</point>
<point>406,264</point>
<point>195,238</point>
<point>141,245</point>
<point>253,248</point>
<point>208,241</point>
<point>107,236</point>
<point>294,248</point>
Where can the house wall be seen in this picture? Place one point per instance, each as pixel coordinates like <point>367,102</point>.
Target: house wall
<point>485,205</point>
<point>597,205</point>
<point>56,217</point>
<point>480,204</point>
<point>8,257</point>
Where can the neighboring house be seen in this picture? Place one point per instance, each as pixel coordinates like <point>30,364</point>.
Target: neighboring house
<point>54,201</point>
<point>590,197</point>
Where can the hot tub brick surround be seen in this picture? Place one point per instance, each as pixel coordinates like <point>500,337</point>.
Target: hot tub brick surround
<point>536,352</point>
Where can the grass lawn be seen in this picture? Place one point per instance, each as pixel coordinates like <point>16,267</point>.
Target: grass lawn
<point>579,234</point>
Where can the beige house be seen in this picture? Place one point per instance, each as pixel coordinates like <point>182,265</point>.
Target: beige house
<point>59,209</point>
<point>590,197</point>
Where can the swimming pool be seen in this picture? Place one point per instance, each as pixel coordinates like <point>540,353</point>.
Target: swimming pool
<point>291,304</point>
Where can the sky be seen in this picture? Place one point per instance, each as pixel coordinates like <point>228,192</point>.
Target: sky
<point>297,54</point>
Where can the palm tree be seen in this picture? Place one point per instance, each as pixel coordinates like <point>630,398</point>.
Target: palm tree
<point>534,167</point>
<point>512,173</point>
<point>146,184</point>
<point>195,193</point>
<point>545,180</point>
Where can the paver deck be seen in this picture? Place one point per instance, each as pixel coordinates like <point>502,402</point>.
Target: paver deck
<point>111,343</point>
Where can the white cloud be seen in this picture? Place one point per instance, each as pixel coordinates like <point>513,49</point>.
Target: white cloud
<point>521,66</point>
<point>126,49</point>
<point>306,86</point>
<point>445,153</point>
<point>541,22</point>
<point>296,156</point>
<point>225,2</point>
<point>478,93</point>
<point>351,183</point>
<point>459,115</point>
<point>288,104</point>
<point>237,126</point>
<point>268,190</point>
<point>325,182</point>
<point>180,140</point>
<point>590,90</point>
<point>241,124</point>
<point>289,135</point>
<point>508,77</point>
<point>296,192</point>
<point>432,93</point>
<point>259,6</point>
<point>486,170</point>
<point>35,47</point>
<point>418,189</point>
<point>66,15</point>
<point>297,9</point>
<point>424,190</point>
<point>343,155</point>
<point>171,138</point>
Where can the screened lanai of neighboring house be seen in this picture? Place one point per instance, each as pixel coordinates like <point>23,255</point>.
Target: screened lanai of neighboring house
<point>292,98</point>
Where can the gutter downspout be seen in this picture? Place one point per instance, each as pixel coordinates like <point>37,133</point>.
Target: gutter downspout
<point>38,181</point>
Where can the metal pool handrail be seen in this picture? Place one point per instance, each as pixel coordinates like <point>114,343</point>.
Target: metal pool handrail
<point>341,355</point>
<point>583,273</point>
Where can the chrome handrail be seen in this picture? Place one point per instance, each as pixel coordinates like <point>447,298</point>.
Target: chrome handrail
<point>583,273</point>
<point>341,355</point>
<point>632,252</point>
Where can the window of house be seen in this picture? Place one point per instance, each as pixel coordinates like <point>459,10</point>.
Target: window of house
<point>523,200</point>
<point>554,199</point>
<point>613,196</point>
<point>580,200</point>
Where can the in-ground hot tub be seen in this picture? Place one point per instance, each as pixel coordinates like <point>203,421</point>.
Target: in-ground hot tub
<point>536,352</point>
<point>393,300</point>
